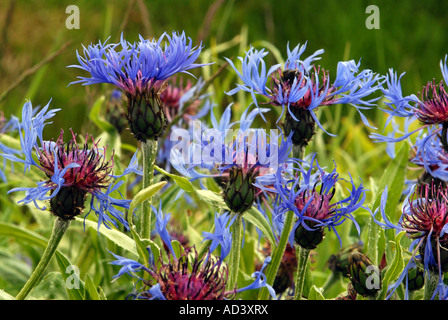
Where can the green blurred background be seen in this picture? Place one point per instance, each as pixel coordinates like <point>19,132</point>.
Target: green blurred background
<point>412,38</point>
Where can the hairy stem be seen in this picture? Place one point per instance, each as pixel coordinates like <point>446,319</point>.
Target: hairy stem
<point>302,262</point>
<point>59,228</point>
<point>149,151</point>
<point>431,282</point>
<point>235,251</point>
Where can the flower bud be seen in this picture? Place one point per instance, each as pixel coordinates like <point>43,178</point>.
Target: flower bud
<point>302,130</point>
<point>309,239</point>
<point>365,277</point>
<point>338,263</point>
<point>68,203</point>
<point>416,279</point>
<point>146,115</point>
<point>239,191</point>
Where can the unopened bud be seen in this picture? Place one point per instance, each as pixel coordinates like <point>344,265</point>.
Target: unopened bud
<point>239,191</point>
<point>68,203</point>
<point>146,115</point>
<point>309,239</point>
<point>364,275</point>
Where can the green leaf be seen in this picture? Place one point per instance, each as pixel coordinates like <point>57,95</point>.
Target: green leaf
<point>117,237</point>
<point>51,287</point>
<point>254,216</point>
<point>73,284</point>
<point>182,182</point>
<point>146,194</point>
<point>316,293</point>
<point>213,198</point>
<point>91,291</point>
<point>7,229</point>
<point>393,178</point>
<point>142,245</point>
<point>395,268</point>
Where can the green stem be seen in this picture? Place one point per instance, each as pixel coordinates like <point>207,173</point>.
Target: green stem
<point>277,255</point>
<point>59,228</point>
<point>149,152</point>
<point>297,151</point>
<point>235,251</point>
<point>302,262</point>
<point>431,282</point>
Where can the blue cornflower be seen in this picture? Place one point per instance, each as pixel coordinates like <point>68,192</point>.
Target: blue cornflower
<point>430,109</point>
<point>138,66</point>
<point>72,172</point>
<point>309,194</point>
<point>140,70</point>
<point>302,88</point>
<point>425,221</point>
<point>234,154</point>
<point>188,278</point>
<point>221,235</point>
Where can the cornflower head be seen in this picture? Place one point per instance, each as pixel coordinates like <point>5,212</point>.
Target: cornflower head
<point>186,278</point>
<point>7,127</point>
<point>140,70</point>
<point>309,194</point>
<point>72,172</point>
<point>302,87</point>
<point>237,157</point>
<point>429,107</point>
<point>425,221</point>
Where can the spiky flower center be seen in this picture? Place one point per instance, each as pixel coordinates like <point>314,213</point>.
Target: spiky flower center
<point>93,172</point>
<point>199,279</point>
<point>316,81</point>
<point>434,106</point>
<point>428,213</point>
<point>316,204</point>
